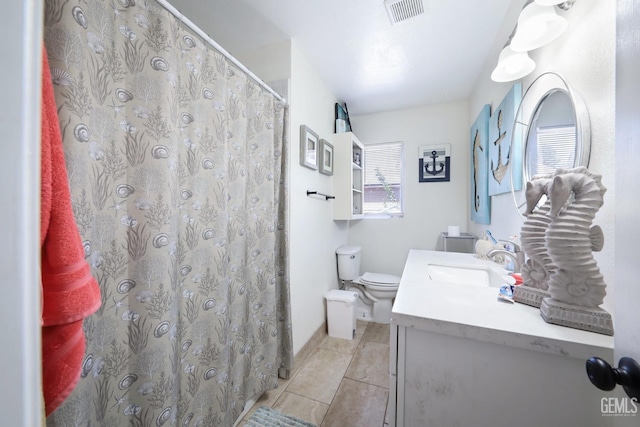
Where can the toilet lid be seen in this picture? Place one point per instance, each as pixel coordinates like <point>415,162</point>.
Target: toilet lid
<point>380,279</point>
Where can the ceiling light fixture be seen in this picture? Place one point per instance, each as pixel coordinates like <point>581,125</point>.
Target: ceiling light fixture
<point>512,65</point>
<point>537,26</point>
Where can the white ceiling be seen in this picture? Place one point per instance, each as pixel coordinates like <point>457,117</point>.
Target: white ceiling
<point>364,60</point>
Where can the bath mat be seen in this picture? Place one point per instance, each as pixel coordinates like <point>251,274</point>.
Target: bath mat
<point>267,417</point>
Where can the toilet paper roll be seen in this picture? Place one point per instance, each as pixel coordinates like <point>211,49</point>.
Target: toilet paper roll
<point>454,231</point>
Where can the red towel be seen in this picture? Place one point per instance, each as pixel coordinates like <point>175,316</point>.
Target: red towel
<point>69,291</point>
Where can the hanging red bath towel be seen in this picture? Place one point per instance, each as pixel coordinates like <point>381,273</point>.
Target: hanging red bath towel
<point>69,291</point>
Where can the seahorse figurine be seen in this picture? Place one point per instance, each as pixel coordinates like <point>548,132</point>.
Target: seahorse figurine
<point>538,268</point>
<point>571,239</point>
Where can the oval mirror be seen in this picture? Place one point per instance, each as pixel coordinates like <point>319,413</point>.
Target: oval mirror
<point>553,123</point>
<point>551,140</point>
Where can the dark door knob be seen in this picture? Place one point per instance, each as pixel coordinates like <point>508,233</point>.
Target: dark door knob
<point>627,374</point>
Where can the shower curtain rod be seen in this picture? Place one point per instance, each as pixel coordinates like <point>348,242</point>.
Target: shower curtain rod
<point>175,12</point>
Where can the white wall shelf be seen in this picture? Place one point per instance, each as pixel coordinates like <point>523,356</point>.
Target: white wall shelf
<point>348,173</point>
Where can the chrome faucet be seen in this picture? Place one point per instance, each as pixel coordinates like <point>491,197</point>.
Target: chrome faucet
<point>517,256</point>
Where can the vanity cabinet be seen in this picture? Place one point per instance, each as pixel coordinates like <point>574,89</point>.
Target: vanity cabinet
<point>441,379</point>
<point>459,357</point>
<point>348,176</point>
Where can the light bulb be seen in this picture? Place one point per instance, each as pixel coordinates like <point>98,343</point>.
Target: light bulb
<point>534,30</point>
<point>512,65</point>
<point>537,26</point>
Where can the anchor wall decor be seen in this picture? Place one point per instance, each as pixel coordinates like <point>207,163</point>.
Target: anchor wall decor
<point>435,163</point>
<point>505,148</point>
<point>480,202</point>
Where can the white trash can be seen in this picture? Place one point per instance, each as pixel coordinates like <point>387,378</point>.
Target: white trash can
<point>341,313</point>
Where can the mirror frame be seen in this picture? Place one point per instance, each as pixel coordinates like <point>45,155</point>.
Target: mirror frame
<point>535,95</point>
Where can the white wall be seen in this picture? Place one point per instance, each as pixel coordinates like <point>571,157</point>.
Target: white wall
<point>585,56</point>
<point>627,339</point>
<point>313,235</point>
<point>270,62</point>
<point>428,207</point>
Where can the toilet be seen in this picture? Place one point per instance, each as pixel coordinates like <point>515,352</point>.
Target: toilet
<point>376,290</point>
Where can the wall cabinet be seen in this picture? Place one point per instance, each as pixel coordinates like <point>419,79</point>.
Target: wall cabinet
<point>348,176</point>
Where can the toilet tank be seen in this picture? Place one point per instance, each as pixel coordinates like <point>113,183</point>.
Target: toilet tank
<point>348,262</point>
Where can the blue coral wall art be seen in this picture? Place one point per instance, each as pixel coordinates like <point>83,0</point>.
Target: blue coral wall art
<point>480,205</point>
<point>505,149</point>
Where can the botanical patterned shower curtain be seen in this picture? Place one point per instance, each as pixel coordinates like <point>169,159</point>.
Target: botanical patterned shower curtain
<point>176,161</point>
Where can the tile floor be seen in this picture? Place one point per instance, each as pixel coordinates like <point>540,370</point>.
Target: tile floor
<point>341,382</point>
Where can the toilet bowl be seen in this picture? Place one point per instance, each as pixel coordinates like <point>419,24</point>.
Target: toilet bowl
<point>376,290</point>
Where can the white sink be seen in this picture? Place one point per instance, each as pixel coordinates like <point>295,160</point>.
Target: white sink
<point>468,275</point>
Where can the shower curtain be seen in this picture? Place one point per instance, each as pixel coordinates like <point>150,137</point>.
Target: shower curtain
<point>176,161</point>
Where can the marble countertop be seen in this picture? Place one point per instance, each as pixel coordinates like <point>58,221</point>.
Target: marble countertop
<point>474,312</point>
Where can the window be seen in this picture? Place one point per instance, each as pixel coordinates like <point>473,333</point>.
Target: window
<point>383,180</point>
<point>555,146</point>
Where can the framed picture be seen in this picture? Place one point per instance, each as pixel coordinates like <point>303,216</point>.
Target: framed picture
<point>505,150</point>
<point>309,148</point>
<point>435,163</point>
<point>326,157</point>
<point>480,200</point>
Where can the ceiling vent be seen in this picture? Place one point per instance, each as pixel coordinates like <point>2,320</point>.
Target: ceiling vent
<point>400,10</point>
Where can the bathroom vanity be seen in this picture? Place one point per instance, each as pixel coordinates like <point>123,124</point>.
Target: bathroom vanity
<point>460,357</point>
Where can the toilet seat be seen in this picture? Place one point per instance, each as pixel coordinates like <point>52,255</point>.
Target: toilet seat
<point>381,289</point>
<point>380,281</point>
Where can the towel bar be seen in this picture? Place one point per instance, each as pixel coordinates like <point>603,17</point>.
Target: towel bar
<point>316,193</point>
